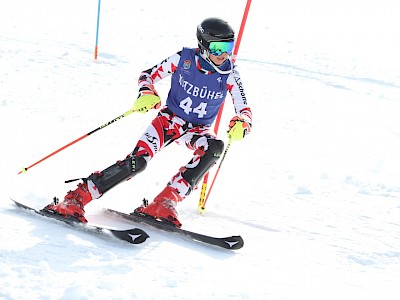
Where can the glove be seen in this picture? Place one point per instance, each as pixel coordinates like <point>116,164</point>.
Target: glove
<point>147,99</point>
<point>238,128</point>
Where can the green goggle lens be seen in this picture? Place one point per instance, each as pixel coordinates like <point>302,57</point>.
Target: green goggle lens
<point>217,48</point>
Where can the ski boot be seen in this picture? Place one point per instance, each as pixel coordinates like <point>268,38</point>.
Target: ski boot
<point>163,207</point>
<point>73,203</point>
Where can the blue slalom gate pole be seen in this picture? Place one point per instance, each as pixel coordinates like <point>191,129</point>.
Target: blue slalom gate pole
<point>97,31</point>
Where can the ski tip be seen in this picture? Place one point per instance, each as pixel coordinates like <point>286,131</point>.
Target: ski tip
<point>234,242</point>
<point>133,236</point>
<point>138,235</point>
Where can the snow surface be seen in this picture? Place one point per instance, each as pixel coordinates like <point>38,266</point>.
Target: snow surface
<point>314,189</point>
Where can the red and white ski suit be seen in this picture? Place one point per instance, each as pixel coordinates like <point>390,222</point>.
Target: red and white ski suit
<point>168,127</point>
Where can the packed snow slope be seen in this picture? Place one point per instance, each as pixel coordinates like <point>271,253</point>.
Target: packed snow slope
<point>314,189</point>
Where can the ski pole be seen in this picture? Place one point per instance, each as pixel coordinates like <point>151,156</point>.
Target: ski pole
<point>217,121</point>
<point>205,179</point>
<point>202,205</point>
<point>24,170</point>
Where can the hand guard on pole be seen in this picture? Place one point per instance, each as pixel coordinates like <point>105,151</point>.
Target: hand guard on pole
<point>147,99</point>
<point>239,127</point>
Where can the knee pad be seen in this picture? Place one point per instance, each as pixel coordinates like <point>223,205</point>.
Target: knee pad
<point>215,148</point>
<point>213,153</point>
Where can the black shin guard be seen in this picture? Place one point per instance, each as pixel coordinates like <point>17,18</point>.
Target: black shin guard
<point>118,172</point>
<point>213,153</point>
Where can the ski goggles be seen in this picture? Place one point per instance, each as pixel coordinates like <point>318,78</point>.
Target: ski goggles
<point>217,48</point>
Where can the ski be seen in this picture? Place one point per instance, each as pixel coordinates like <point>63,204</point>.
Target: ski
<point>231,242</point>
<point>133,236</point>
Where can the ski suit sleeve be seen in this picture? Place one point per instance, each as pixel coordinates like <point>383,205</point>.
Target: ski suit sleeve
<point>235,88</point>
<point>160,71</point>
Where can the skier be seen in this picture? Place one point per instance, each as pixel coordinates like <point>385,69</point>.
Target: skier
<point>201,78</point>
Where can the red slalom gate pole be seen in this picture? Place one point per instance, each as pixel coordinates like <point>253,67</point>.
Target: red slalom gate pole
<point>240,34</point>
<point>203,192</point>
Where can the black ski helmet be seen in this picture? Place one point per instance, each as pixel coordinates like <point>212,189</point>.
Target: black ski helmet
<point>214,30</point>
